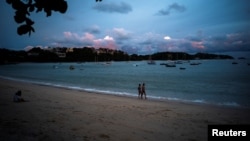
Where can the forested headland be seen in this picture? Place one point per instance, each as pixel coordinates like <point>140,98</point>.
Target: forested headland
<point>90,54</point>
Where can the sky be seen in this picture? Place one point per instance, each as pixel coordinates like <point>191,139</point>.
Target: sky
<point>137,26</point>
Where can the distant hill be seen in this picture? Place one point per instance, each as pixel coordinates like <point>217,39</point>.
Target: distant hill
<point>90,54</point>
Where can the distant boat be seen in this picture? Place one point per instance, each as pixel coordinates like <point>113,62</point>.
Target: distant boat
<point>195,63</point>
<point>181,68</point>
<point>163,63</point>
<point>234,63</point>
<point>150,61</point>
<point>178,62</point>
<point>241,58</point>
<point>55,67</point>
<point>107,63</point>
<point>135,65</point>
<point>71,67</point>
<point>170,64</point>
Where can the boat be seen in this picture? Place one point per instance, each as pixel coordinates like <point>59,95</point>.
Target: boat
<point>71,67</point>
<point>182,68</point>
<point>107,63</point>
<point>178,62</point>
<point>55,67</point>
<point>150,61</point>
<point>195,63</point>
<point>135,65</point>
<point>234,63</point>
<point>170,64</point>
<point>163,63</point>
<point>241,58</point>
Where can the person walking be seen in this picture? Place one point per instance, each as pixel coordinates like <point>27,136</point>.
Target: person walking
<point>139,90</point>
<point>143,91</point>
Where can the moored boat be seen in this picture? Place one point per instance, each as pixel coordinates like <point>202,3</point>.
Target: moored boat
<point>170,65</point>
<point>151,62</point>
<point>195,63</point>
<point>71,67</point>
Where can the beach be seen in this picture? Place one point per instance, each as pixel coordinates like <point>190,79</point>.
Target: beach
<point>54,113</point>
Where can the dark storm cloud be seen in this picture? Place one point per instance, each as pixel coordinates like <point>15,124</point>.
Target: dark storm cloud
<point>122,7</point>
<point>93,29</point>
<point>171,8</point>
<point>229,42</point>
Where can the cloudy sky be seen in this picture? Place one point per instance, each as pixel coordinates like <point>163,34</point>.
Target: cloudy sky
<point>137,26</point>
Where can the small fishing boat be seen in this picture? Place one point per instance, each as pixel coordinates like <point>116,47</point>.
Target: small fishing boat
<point>170,65</point>
<point>71,67</point>
<point>178,62</point>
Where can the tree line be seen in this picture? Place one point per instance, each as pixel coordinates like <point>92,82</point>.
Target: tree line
<point>90,54</point>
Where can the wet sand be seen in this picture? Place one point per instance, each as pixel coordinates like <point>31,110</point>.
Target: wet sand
<point>52,113</point>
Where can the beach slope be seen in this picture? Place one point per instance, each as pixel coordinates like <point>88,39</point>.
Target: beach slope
<point>52,113</point>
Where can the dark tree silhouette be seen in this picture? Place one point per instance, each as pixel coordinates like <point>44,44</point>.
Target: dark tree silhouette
<point>23,8</point>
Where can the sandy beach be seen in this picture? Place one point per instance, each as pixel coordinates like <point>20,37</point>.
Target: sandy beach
<point>57,114</point>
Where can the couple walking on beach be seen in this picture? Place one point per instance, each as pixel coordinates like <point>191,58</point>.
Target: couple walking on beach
<point>141,91</point>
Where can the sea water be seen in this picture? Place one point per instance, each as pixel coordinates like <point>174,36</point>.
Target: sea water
<point>216,82</point>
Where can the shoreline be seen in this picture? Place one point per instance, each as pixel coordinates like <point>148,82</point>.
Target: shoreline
<point>150,98</point>
<point>53,113</point>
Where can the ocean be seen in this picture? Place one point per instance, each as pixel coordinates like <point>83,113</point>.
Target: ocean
<point>217,82</point>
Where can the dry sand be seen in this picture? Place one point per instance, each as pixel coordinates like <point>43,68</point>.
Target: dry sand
<point>62,114</point>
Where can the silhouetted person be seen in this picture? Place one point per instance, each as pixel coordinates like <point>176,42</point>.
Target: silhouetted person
<point>139,91</point>
<point>143,91</point>
<point>18,97</point>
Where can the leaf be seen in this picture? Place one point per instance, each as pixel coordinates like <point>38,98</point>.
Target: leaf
<point>32,8</point>
<point>63,7</point>
<point>18,5</point>
<point>19,17</point>
<point>23,29</point>
<point>48,11</point>
<point>39,9</point>
<point>9,1</point>
<point>32,29</point>
<point>29,21</point>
